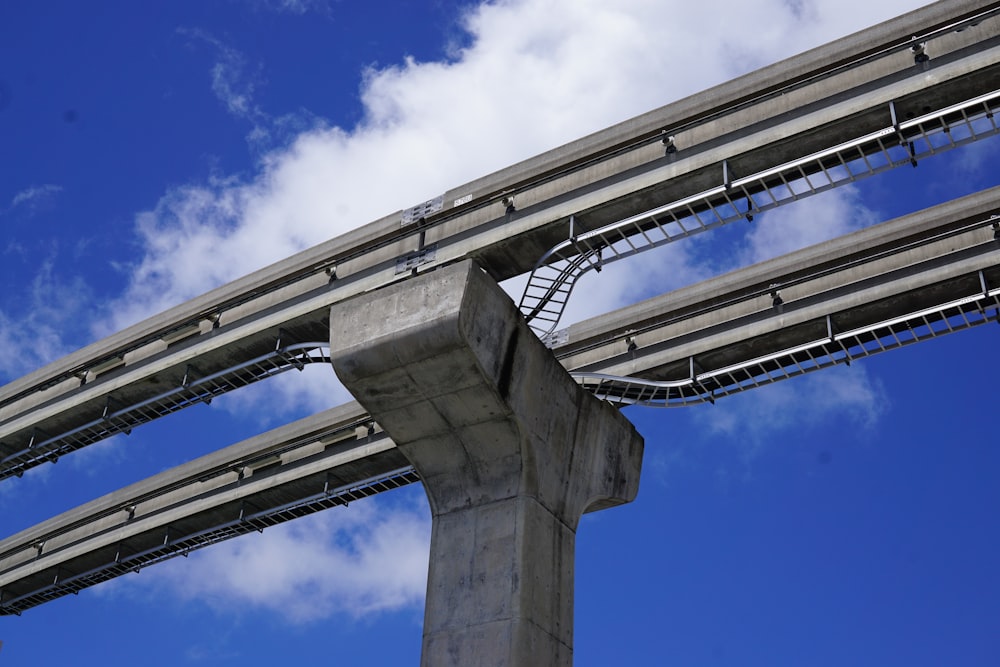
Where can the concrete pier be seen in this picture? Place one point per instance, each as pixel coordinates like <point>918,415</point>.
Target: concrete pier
<point>511,451</point>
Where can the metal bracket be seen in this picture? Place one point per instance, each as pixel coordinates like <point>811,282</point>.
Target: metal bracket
<point>894,120</point>
<point>36,435</point>
<point>410,261</point>
<point>244,504</point>
<point>191,372</point>
<point>694,369</point>
<point>421,211</point>
<point>776,301</point>
<point>507,201</point>
<point>556,338</point>
<point>908,145</point>
<point>630,341</point>
<point>831,332</point>
<point>108,413</point>
<point>669,141</point>
<point>284,340</point>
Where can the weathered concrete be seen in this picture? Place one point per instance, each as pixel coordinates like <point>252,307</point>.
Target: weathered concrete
<point>512,452</point>
<point>713,322</point>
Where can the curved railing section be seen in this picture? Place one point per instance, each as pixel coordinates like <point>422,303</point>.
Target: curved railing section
<point>836,348</point>
<point>117,419</point>
<point>902,143</point>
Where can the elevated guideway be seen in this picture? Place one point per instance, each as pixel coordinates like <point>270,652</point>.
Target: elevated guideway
<point>840,112</point>
<point>897,283</point>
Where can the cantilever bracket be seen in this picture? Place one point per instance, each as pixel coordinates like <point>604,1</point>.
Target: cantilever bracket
<point>284,339</point>
<point>244,504</point>
<point>36,435</point>
<point>694,370</point>
<point>831,332</point>
<point>109,408</point>
<point>908,145</point>
<point>191,373</point>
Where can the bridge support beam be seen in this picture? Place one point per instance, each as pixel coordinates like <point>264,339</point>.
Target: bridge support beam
<point>511,451</point>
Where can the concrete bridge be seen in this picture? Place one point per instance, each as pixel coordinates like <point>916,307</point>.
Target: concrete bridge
<point>497,469</point>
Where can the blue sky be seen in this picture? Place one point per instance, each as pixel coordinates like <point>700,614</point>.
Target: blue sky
<point>152,151</point>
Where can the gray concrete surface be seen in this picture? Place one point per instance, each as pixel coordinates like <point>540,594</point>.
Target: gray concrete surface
<point>728,121</point>
<point>511,452</point>
<point>711,321</point>
<point>919,252</point>
<point>309,465</point>
<point>744,121</point>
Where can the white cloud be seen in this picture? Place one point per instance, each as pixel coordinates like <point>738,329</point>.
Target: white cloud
<point>534,74</point>
<point>289,395</point>
<point>234,82</point>
<point>233,79</point>
<point>355,561</point>
<point>971,161</point>
<point>34,196</point>
<point>34,330</point>
<point>297,7</point>
<point>844,393</point>
<point>804,223</point>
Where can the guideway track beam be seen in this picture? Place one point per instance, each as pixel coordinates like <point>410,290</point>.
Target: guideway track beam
<point>238,322</point>
<point>662,327</point>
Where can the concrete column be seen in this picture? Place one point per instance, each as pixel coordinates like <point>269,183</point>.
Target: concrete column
<point>511,451</point>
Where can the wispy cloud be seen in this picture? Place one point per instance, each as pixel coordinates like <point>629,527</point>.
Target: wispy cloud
<point>288,396</point>
<point>297,7</point>
<point>845,394</point>
<point>779,419</point>
<point>807,222</point>
<point>234,82</point>
<point>34,197</point>
<point>532,75</point>
<point>36,327</point>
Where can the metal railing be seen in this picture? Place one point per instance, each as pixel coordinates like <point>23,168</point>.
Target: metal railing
<point>114,419</point>
<point>902,143</point>
<point>174,545</point>
<point>835,348</point>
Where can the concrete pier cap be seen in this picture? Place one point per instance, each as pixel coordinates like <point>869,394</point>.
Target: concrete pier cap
<point>510,449</point>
